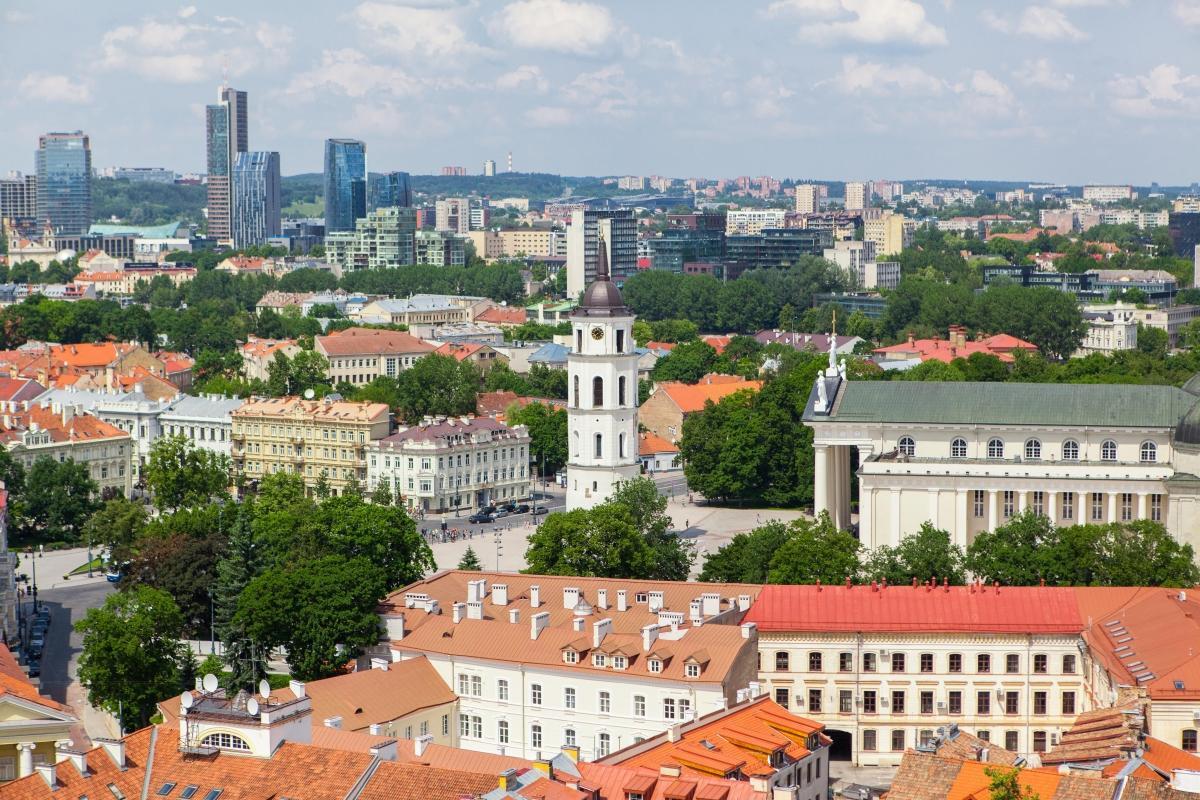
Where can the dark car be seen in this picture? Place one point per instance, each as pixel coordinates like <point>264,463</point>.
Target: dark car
<point>523,508</point>
<point>490,508</point>
<point>481,516</point>
<point>501,512</point>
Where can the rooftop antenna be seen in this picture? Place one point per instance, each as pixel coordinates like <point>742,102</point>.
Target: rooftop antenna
<point>252,707</point>
<point>264,688</point>
<point>210,683</point>
<point>186,700</point>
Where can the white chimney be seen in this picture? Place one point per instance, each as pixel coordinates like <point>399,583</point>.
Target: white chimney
<point>600,629</point>
<point>694,612</point>
<point>570,596</point>
<point>115,749</point>
<point>393,625</point>
<point>475,609</point>
<point>49,773</point>
<point>476,590</point>
<point>743,602</point>
<point>649,635</point>
<point>538,622</point>
<point>384,751</point>
<point>755,689</point>
<point>379,663</point>
<point>499,594</point>
<point>749,630</point>
<point>376,728</point>
<point>457,612</point>
<point>421,744</point>
<point>674,732</point>
<point>535,596</point>
<point>80,761</point>
<point>514,615</point>
<point>622,600</point>
<point>712,603</point>
<point>602,598</point>
<point>577,624</point>
<point>656,602</point>
<point>333,722</point>
<point>297,688</point>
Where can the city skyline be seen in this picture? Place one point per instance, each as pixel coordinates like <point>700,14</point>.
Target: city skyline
<point>829,89</point>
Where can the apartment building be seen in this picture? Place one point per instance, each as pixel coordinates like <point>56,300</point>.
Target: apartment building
<point>1108,331</point>
<point>204,420</point>
<point>1169,319</point>
<point>858,195</point>
<point>309,438</point>
<point>384,238</point>
<point>883,666</point>
<point>890,232</point>
<point>808,198</point>
<point>543,662</point>
<point>422,309</point>
<point>751,221</point>
<point>1108,194</point>
<point>445,464</point>
<point>360,355</point>
<point>60,432</point>
<point>257,355</point>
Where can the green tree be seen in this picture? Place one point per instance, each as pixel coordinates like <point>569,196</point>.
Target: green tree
<point>1005,784</point>
<point>599,542</point>
<point>185,567</point>
<point>1152,341</point>
<point>1189,335</point>
<point>1143,553</point>
<point>673,556</point>
<point>180,474</point>
<point>688,362</point>
<point>384,536</point>
<point>1010,553</point>
<point>815,550</point>
<point>747,557</point>
<point>115,527</point>
<point>470,561</point>
<point>723,449</point>
<point>928,553</point>
<point>547,433</point>
<point>240,563</point>
<point>131,655</point>
<point>58,500</point>
<point>435,385</point>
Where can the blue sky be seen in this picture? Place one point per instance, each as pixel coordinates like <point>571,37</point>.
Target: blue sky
<point>1060,90</point>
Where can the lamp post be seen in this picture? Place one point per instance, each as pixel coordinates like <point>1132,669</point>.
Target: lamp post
<point>499,548</point>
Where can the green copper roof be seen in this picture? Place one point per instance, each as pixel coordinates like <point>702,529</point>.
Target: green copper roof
<point>1075,405</point>
<point>141,231</point>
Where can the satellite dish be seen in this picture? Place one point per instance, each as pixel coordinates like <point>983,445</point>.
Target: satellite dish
<point>264,688</point>
<point>186,700</point>
<point>309,394</point>
<point>252,707</point>
<point>210,682</point>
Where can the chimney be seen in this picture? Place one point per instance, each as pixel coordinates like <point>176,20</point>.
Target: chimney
<point>649,635</point>
<point>421,744</point>
<point>674,732</point>
<point>577,624</point>
<point>115,749</point>
<point>622,600</point>
<point>749,630</point>
<point>600,629</point>
<point>655,602</point>
<point>508,780</point>
<point>755,688</point>
<point>475,609</point>
<point>743,602</point>
<point>49,773</point>
<point>499,594</point>
<point>393,625</point>
<point>376,728</point>
<point>514,615</point>
<point>379,663</point>
<point>535,596</point>
<point>384,751</point>
<point>570,596</point>
<point>538,622</point>
<point>571,751</point>
<point>784,793</point>
<point>694,612</point>
<point>544,765</point>
<point>476,590</point>
<point>711,603</point>
<point>668,770</point>
<point>458,611</point>
<point>79,759</point>
<point>333,722</point>
<point>297,688</point>
<point>602,598</point>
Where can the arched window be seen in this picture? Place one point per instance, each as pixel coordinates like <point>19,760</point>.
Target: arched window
<point>995,448</point>
<point>597,392</point>
<point>577,391</point>
<point>1070,450</point>
<point>1108,450</point>
<point>621,445</point>
<point>906,446</point>
<point>958,448</point>
<point>1033,450</point>
<point>1149,452</point>
<point>621,391</point>
<point>599,446</point>
<point>225,741</point>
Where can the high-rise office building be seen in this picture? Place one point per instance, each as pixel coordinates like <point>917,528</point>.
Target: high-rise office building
<point>858,196</point>
<point>345,183</point>
<point>808,198</point>
<point>489,168</point>
<point>64,182</point>
<point>18,198</point>
<point>227,129</point>
<point>619,229</point>
<point>392,189</point>
<point>255,198</point>
<point>384,238</point>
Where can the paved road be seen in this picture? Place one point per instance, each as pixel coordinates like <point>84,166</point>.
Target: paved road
<point>67,605</point>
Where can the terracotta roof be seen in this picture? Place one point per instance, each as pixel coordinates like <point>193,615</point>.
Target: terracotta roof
<point>371,341</point>
<point>265,347</point>
<point>692,397</point>
<point>439,755</point>
<point>14,682</point>
<point>494,404</point>
<point>501,315</point>
<point>18,389</point>
<point>1009,609</point>
<point>443,430</point>
<point>665,346</point>
<point>1000,345</point>
<point>291,407</point>
<point>460,351</point>
<point>650,443</point>
<point>610,780</point>
<point>1103,734</point>
<point>372,696</point>
<point>718,343</point>
<point>79,428</point>
<point>957,743</point>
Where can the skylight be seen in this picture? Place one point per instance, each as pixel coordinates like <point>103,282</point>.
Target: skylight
<point>213,794</point>
<point>166,788</point>
<point>189,792</point>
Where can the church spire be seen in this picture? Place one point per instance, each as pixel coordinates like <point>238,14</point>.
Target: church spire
<point>601,259</point>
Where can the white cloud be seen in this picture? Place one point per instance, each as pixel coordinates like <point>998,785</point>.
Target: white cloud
<point>54,88</point>
<point>416,29</point>
<point>1188,12</point>
<point>987,85</point>
<point>568,27</point>
<point>187,11</point>
<point>549,116</point>
<point>16,17</point>
<point>350,73</point>
<point>1162,92</point>
<point>1038,22</point>
<point>526,74</point>
<point>865,77</point>
<point>605,92</point>
<point>864,21</point>
<point>1042,74</point>
<point>1088,3</point>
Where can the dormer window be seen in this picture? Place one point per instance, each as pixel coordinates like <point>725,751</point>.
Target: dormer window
<point>692,670</point>
<point>641,597</point>
<point>570,657</point>
<point>598,659</point>
<point>654,665</point>
<point>620,662</point>
<point>225,741</point>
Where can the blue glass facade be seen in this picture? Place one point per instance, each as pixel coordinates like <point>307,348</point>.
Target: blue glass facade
<point>345,183</point>
<point>393,189</point>
<point>256,198</point>
<point>64,182</point>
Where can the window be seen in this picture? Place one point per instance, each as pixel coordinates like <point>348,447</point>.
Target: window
<point>1068,665</point>
<point>464,684</point>
<point>1039,702</point>
<point>464,726</point>
<point>1156,507</point>
<point>1012,663</point>
<point>502,731</point>
<point>535,736</point>
<point>983,703</point>
<point>1040,664</point>
<point>1070,450</point>
<point>598,450</point>
<point>570,657</point>
<point>1009,498</point>
<point>692,670</point>
<point>445,724</point>
<point>869,702</point>
<point>995,448</point>
<point>1039,503</point>
<point>955,662</point>
<point>213,794</point>
<point>907,446</point>
<point>814,662</point>
<point>926,662</point>
<point>502,689</point>
<point>868,662</point>
<point>983,663</point>
<point>1010,740</point>
<point>603,744</point>
<point>897,739</point>
<point>569,697</point>
<point>977,497</point>
<point>424,727</point>
<point>1108,450</point>
<point>1097,505</point>
<point>781,696</point>
<point>898,701</point>
<point>897,662</point>
<point>926,702</point>
<point>620,662</point>
<point>654,665</point>
<point>954,699</point>
<point>845,701</point>
<point>476,686</point>
<point>535,694</point>
<point>620,445</point>
<point>845,662</point>
<point>814,700</point>
<point>597,659</point>
<point>1068,505</point>
<point>1149,452</point>
<point>165,789</point>
<point>477,727</point>
<point>1012,702</point>
<point>620,341</point>
<point>639,705</point>
<point>189,791</point>
<point>225,741</point>
<point>621,390</point>
<point>1068,703</point>
<point>1033,450</point>
<point>1188,742</point>
<point>579,340</point>
<point>576,391</point>
<point>1126,506</point>
<point>985,735</point>
<point>781,661</point>
<point>597,392</point>
<point>1039,741</point>
<point>605,703</point>
<point>669,704</point>
<point>958,448</point>
<point>868,740</point>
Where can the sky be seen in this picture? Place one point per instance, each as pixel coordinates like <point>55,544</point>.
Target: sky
<point>1057,90</point>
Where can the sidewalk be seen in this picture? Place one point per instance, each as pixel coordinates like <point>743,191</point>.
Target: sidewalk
<point>93,723</point>
<point>51,567</point>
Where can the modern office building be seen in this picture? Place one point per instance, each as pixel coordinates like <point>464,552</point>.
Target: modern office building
<point>441,249</point>
<point>689,238</point>
<point>383,238</point>
<point>227,129</point>
<point>18,198</point>
<point>256,193</point>
<point>774,247</point>
<point>619,229</point>
<point>391,189</point>
<point>1185,232</point>
<point>64,182</point>
<point>345,183</point>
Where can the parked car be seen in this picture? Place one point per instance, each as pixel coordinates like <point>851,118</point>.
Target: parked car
<point>501,512</point>
<point>538,510</point>
<point>523,508</point>
<point>112,576</point>
<point>490,508</point>
<point>480,517</point>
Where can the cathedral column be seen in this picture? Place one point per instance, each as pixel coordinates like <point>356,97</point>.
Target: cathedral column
<point>993,513</point>
<point>866,513</point>
<point>933,507</point>
<point>959,534</point>
<point>896,527</point>
<point>24,759</point>
<point>1143,508</point>
<point>820,479</point>
<point>1022,501</point>
<point>844,480</point>
<point>1052,509</point>
<point>1112,507</point>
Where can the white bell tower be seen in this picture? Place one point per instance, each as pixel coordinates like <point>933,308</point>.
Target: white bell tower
<point>602,393</point>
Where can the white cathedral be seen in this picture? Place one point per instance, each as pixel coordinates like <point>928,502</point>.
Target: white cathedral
<point>602,408</point>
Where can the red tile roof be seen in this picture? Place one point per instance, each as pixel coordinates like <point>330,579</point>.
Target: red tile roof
<point>503,315</point>
<point>649,444</point>
<point>460,351</point>
<point>1008,609</point>
<point>495,404</point>
<point>14,682</point>
<point>692,397</point>
<point>611,782</point>
<point>364,341</point>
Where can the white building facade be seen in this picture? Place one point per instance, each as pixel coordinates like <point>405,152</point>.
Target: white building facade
<point>205,420</point>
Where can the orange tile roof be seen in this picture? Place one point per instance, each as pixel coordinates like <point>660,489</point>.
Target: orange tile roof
<point>439,755</point>
<point>668,346</point>
<point>79,428</point>
<point>1102,734</point>
<point>611,781</point>
<point>501,315</point>
<point>1000,345</point>
<point>460,351</point>
<point>650,443</point>
<point>718,343</point>
<point>692,397</point>
<point>264,347</point>
<point>14,682</point>
<point>494,404</point>
<point>363,341</point>
<point>372,696</point>
<point>292,407</point>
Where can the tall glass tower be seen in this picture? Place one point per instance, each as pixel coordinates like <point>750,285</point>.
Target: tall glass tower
<point>256,198</point>
<point>345,183</point>
<point>64,182</point>
<point>391,190</point>
<point>226,128</point>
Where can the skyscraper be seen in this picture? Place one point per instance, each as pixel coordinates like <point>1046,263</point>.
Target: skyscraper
<point>226,126</point>
<point>619,229</point>
<point>489,168</point>
<point>808,198</point>
<point>345,183</point>
<point>18,198</point>
<point>390,190</point>
<point>858,196</point>
<point>64,182</point>
<point>255,198</point>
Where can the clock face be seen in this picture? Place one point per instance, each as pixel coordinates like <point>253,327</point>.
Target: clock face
<point>597,333</point>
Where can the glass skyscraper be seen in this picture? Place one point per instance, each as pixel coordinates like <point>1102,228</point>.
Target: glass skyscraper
<point>256,198</point>
<point>226,135</point>
<point>64,182</point>
<point>392,189</point>
<point>345,183</point>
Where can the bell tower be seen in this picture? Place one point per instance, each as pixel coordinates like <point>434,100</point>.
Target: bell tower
<point>602,392</point>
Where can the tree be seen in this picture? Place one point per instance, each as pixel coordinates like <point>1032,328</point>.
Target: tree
<point>382,495</point>
<point>598,542</point>
<point>115,527</point>
<point>185,567</point>
<point>12,472</point>
<point>435,385</point>
<point>470,561</point>
<point>384,536</point>
<point>321,611</point>
<point>180,474</point>
<point>58,500</point>
<point>1143,553</point>
<point>1152,341</point>
<point>547,433</point>
<point>747,557</point>
<point>240,563</point>
<point>131,655</point>
<point>723,448</point>
<point>688,362</point>
<point>1009,554</point>
<point>1005,784</point>
<point>926,554</point>
<point>815,550</point>
<point>647,507</point>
